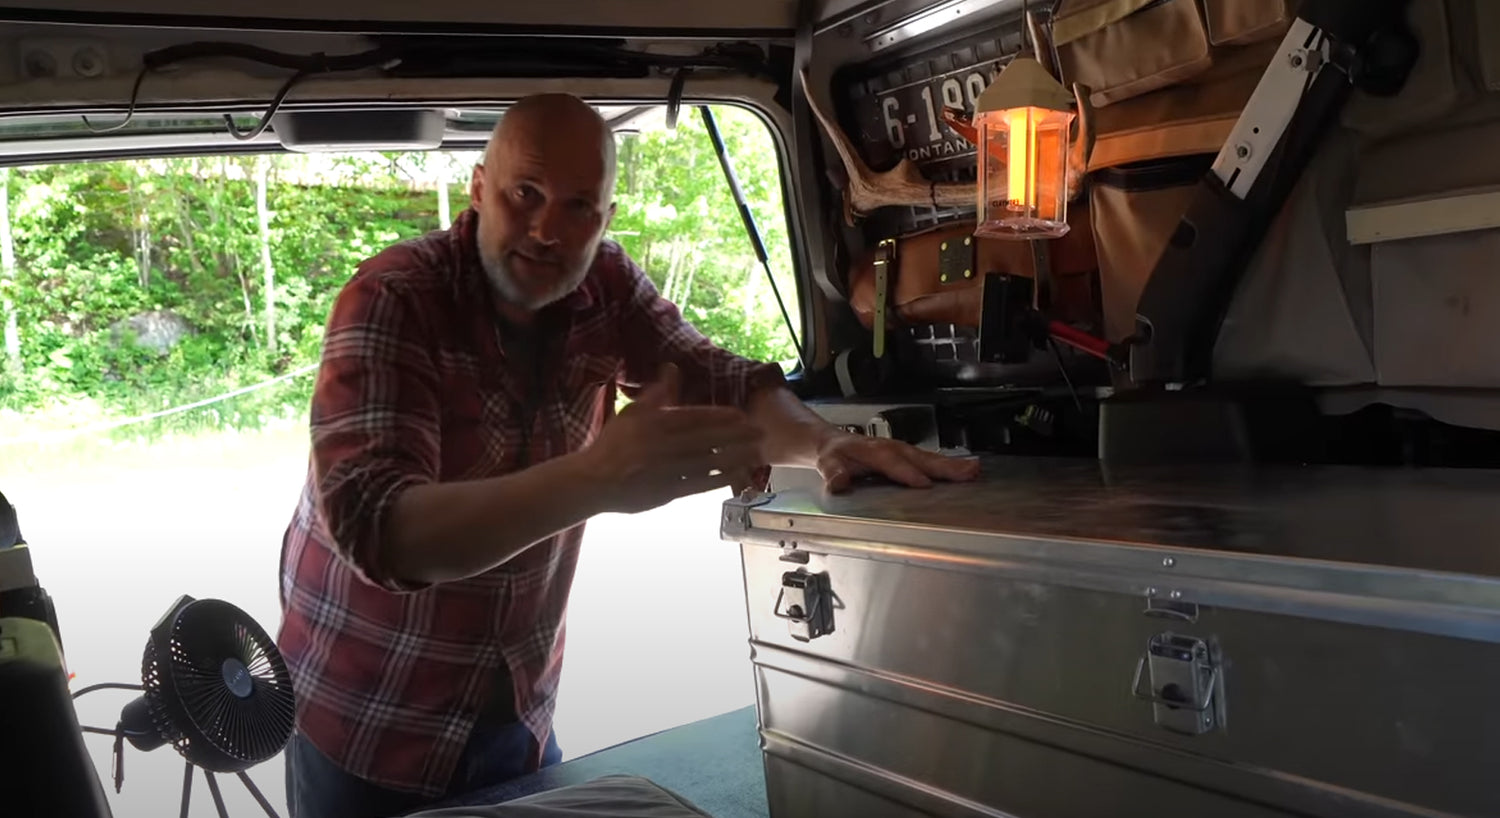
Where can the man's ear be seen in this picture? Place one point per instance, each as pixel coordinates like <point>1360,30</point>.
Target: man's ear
<point>609,218</point>
<point>476,186</point>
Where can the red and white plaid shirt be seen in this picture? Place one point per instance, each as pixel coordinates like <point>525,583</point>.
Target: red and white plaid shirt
<point>415,387</point>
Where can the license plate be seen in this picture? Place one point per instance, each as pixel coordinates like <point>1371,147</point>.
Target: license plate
<point>906,120</point>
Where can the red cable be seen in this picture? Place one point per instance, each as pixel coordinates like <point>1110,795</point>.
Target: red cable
<point>1080,340</point>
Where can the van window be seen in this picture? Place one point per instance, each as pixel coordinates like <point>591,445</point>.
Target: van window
<point>162,326</point>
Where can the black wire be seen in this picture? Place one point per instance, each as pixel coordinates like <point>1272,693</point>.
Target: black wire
<point>135,95</point>
<point>265,120</point>
<point>1057,356</point>
<point>112,731</point>
<point>308,63</point>
<point>107,686</point>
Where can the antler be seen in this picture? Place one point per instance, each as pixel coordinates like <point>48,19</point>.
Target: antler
<point>903,184</point>
<point>1082,148</point>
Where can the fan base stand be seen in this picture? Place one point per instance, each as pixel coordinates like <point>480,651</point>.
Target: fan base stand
<point>213,789</point>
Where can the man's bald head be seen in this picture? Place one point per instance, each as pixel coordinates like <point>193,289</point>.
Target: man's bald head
<point>560,120</point>
<point>544,193</point>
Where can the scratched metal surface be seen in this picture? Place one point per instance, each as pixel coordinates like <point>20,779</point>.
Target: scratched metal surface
<point>1445,520</point>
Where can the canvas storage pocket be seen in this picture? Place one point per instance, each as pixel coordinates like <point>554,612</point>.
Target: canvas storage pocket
<point>1134,209</point>
<point>1242,22</point>
<point>1124,48</point>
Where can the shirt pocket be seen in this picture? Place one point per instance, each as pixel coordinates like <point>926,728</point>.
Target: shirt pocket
<point>480,433</point>
<point>586,378</point>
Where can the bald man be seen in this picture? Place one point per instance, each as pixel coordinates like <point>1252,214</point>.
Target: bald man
<point>458,446</point>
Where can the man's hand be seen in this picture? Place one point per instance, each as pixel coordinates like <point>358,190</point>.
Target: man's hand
<point>843,457</point>
<point>656,451</point>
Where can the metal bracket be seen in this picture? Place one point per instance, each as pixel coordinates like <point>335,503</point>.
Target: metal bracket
<point>1269,111</point>
<point>736,520</point>
<point>956,261</point>
<point>1183,684</point>
<point>926,20</point>
<point>808,601</point>
<point>885,257</point>
<point>674,97</point>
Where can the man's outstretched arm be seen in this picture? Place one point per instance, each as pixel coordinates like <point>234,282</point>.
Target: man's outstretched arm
<point>654,452</point>
<point>376,451</point>
<point>797,436</point>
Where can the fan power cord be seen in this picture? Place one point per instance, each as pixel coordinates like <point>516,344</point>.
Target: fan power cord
<point>118,753</point>
<point>108,686</point>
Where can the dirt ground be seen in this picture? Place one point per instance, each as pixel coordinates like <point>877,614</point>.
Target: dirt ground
<point>657,633</point>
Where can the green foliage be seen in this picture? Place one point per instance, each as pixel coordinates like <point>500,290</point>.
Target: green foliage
<point>677,218</point>
<point>98,243</point>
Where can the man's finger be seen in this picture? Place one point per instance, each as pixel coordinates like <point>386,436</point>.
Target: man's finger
<point>742,479</point>
<point>886,460</point>
<point>699,483</point>
<point>838,478</point>
<point>723,457</point>
<point>891,462</point>
<point>664,391</point>
<point>945,467</point>
<point>706,440</point>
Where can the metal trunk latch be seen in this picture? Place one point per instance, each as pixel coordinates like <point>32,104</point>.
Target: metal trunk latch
<point>806,602</point>
<point>1183,683</point>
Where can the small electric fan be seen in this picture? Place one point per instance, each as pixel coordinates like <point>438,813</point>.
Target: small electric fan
<point>217,689</point>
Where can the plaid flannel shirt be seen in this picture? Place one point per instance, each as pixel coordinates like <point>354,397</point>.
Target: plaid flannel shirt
<point>415,387</point>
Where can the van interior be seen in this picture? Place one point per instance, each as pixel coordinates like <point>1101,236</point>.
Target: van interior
<point>1253,242</point>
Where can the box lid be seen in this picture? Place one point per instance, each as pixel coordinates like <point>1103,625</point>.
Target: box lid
<point>1412,549</point>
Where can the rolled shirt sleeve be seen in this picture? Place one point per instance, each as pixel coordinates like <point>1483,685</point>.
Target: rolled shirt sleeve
<point>655,333</point>
<point>375,418</point>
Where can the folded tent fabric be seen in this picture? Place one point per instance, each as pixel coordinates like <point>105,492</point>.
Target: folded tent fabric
<point>613,796</point>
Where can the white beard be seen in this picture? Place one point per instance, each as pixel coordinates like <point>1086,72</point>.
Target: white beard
<point>498,273</point>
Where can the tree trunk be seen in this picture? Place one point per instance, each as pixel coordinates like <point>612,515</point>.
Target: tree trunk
<point>229,260</point>
<point>8,275</point>
<point>687,286</point>
<point>268,270</point>
<point>141,226</point>
<point>442,190</point>
<point>629,151</point>
<point>674,263</point>
<point>185,223</point>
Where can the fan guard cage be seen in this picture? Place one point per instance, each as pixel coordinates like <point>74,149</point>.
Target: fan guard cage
<point>218,689</point>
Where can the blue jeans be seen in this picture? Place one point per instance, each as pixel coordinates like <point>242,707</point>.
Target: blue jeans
<point>318,788</point>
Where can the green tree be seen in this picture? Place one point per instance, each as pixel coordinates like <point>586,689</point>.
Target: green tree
<point>251,250</point>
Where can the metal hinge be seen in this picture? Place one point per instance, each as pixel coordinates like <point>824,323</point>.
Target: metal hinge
<point>736,520</point>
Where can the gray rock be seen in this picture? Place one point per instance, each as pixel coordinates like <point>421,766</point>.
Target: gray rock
<point>157,330</point>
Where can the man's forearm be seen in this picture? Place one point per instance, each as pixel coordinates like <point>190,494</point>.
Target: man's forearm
<point>442,532</point>
<point>794,433</point>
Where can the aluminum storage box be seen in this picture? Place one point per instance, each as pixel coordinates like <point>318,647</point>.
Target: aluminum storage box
<point>1062,638</point>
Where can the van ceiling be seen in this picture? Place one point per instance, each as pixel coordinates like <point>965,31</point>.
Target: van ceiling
<point>107,70</point>
<point>617,17</point>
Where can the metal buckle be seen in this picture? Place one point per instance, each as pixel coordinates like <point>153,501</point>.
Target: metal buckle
<point>885,257</point>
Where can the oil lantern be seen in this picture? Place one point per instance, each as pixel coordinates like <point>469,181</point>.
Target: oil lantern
<point>1023,119</point>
